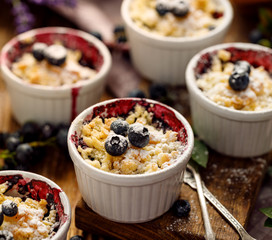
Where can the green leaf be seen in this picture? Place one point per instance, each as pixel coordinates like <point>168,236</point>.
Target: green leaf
<point>267,211</point>
<point>200,153</point>
<point>268,223</point>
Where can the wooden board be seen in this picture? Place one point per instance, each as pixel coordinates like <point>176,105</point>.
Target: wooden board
<point>235,182</point>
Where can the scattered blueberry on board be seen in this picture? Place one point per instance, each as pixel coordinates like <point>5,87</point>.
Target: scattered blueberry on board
<point>77,237</point>
<point>21,149</point>
<point>181,208</point>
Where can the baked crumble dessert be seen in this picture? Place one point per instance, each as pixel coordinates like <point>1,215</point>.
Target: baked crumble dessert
<point>28,209</point>
<point>238,83</point>
<point>177,18</point>
<point>135,143</point>
<point>53,65</point>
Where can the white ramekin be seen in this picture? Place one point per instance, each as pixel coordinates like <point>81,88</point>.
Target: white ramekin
<point>128,198</point>
<point>53,104</point>
<point>163,59</point>
<point>64,206</point>
<point>229,131</point>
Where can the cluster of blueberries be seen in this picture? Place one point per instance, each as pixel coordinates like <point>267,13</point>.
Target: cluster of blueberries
<point>55,54</point>
<point>239,79</point>
<point>179,8</point>
<point>116,144</point>
<point>27,145</point>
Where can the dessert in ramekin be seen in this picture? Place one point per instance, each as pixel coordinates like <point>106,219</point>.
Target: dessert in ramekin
<point>162,42</point>
<point>230,89</point>
<point>54,73</point>
<point>129,156</point>
<point>33,207</point>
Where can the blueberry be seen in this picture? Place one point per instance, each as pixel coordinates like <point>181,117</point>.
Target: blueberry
<point>157,91</point>
<point>3,138</point>
<point>77,237</point>
<point>162,8</point>
<point>180,9</point>
<point>6,235</point>
<point>181,208</point>
<point>116,145</point>
<point>239,81</point>
<point>9,208</point>
<point>97,35</point>
<point>255,36</point>
<point>138,135</point>
<point>137,93</point>
<point>121,39</point>
<point>1,217</point>
<point>61,138</point>
<point>12,143</point>
<point>38,50</point>
<point>120,127</point>
<point>242,66</point>
<point>24,153</point>
<point>55,54</point>
<point>48,130</point>
<point>119,29</point>
<point>30,131</point>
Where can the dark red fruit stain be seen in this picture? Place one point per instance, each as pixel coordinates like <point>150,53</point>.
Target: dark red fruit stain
<point>121,108</point>
<point>74,93</point>
<point>254,57</point>
<point>36,190</point>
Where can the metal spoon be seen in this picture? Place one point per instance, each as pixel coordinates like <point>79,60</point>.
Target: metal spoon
<point>188,179</point>
<point>208,228</point>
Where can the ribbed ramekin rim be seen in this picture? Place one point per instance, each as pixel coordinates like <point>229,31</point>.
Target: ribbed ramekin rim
<point>198,39</point>
<point>226,112</point>
<point>141,178</point>
<point>64,199</point>
<point>65,88</point>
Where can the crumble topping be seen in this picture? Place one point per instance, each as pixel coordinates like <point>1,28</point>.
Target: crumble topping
<point>33,71</point>
<point>162,150</point>
<point>215,85</point>
<point>203,17</point>
<point>33,220</point>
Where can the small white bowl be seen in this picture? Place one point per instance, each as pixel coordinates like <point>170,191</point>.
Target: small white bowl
<point>47,103</point>
<point>43,186</point>
<point>163,59</point>
<point>129,198</point>
<point>229,131</point>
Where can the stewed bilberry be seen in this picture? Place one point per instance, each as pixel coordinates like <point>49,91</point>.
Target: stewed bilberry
<point>239,81</point>
<point>138,135</point>
<point>9,208</point>
<point>181,208</point>
<point>6,235</point>
<point>116,145</point>
<point>120,127</point>
<point>38,50</point>
<point>55,54</point>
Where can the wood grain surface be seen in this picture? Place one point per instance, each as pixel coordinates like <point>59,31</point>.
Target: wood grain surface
<point>234,182</point>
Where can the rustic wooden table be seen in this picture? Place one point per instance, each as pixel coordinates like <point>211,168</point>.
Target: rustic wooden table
<point>55,165</point>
